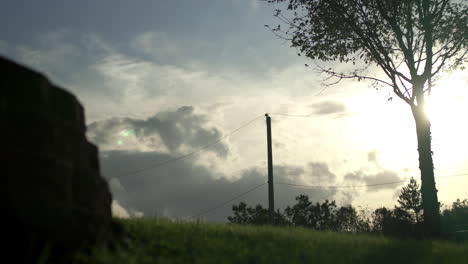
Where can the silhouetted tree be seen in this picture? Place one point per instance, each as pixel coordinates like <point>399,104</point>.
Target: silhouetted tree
<point>347,220</point>
<point>455,219</point>
<point>257,215</point>
<point>241,215</point>
<point>395,222</point>
<point>382,219</point>
<point>411,41</point>
<point>316,216</point>
<point>299,214</point>
<point>325,216</point>
<point>410,200</point>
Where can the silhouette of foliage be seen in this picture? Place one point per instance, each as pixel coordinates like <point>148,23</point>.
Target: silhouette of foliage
<point>455,220</point>
<point>257,215</point>
<point>403,221</point>
<point>396,222</point>
<point>410,200</point>
<point>411,41</point>
<point>318,216</point>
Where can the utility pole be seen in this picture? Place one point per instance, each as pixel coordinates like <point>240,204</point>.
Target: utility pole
<point>271,197</point>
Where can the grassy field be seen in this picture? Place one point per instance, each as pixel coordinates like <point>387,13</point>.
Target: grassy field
<point>160,241</point>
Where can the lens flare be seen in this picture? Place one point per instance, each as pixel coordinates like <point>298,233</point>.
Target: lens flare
<point>125,133</point>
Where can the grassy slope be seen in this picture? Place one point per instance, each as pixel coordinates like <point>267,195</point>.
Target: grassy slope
<point>157,241</point>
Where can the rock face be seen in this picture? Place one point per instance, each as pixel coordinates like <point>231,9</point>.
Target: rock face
<point>51,184</point>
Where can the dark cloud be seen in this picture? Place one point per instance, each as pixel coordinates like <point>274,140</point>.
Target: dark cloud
<point>320,172</point>
<point>384,176</point>
<point>67,58</point>
<point>328,107</point>
<point>290,173</point>
<point>372,156</point>
<point>181,189</point>
<point>175,129</point>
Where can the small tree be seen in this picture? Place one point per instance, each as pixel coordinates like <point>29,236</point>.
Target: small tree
<point>299,214</point>
<point>411,41</point>
<point>410,200</point>
<point>347,219</point>
<point>241,214</point>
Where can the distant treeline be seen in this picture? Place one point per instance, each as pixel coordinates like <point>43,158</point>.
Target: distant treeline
<point>405,220</point>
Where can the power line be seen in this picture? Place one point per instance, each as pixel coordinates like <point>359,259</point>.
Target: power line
<point>360,186</point>
<point>226,202</point>
<point>337,187</point>
<point>191,153</point>
<point>310,115</point>
<point>454,175</point>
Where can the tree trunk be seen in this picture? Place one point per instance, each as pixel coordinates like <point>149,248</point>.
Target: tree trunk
<point>430,202</point>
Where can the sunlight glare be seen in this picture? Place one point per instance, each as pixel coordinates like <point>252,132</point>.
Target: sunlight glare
<point>447,109</point>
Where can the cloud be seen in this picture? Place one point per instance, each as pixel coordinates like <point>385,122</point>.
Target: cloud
<point>184,188</point>
<point>118,210</point>
<point>372,156</point>
<point>288,173</point>
<point>319,172</point>
<point>384,176</point>
<point>115,80</point>
<point>328,107</point>
<point>175,131</point>
<point>156,44</point>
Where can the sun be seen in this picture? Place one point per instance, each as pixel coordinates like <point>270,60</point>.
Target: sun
<point>389,127</point>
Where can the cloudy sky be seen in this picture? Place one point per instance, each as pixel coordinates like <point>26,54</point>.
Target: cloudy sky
<point>175,92</point>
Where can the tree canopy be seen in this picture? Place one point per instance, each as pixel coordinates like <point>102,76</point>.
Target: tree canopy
<point>411,41</point>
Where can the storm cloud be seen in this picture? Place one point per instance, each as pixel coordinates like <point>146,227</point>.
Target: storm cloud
<point>170,131</point>
<point>182,188</point>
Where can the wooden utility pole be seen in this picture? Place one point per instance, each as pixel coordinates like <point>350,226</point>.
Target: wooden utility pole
<point>271,197</point>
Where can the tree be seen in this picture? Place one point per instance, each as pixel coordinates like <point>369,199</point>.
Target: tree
<point>316,216</point>
<point>347,220</point>
<point>299,214</point>
<point>411,41</point>
<point>410,200</point>
<point>324,216</point>
<point>396,222</point>
<point>455,219</point>
<point>257,215</point>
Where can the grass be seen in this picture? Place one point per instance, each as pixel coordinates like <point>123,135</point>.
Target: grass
<point>162,241</point>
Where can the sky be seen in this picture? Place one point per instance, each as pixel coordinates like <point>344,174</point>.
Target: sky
<point>175,93</point>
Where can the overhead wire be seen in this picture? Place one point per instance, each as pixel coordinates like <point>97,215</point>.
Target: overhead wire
<point>310,115</point>
<point>360,186</point>
<point>337,187</point>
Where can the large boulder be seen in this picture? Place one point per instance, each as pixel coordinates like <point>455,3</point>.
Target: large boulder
<point>52,191</point>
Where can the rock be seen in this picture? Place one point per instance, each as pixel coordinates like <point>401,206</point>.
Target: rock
<point>52,189</point>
